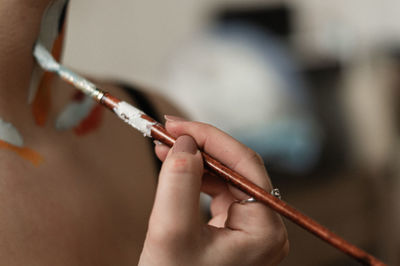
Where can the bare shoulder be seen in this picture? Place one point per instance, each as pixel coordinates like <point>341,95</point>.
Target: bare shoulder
<point>64,193</point>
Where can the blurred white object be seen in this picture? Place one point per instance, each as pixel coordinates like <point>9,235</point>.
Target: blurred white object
<point>246,83</point>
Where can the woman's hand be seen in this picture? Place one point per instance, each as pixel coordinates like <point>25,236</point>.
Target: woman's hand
<point>237,234</point>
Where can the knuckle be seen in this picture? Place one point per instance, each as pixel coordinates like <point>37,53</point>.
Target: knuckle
<point>279,236</point>
<point>286,249</point>
<point>255,157</point>
<point>202,127</point>
<point>278,246</point>
<point>208,129</point>
<point>205,125</point>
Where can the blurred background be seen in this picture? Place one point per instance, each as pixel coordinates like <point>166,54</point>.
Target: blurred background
<point>313,86</point>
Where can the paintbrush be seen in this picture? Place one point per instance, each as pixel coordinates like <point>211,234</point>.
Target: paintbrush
<point>151,128</point>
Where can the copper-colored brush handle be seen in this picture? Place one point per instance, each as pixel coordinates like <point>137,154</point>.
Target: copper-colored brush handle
<point>160,133</point>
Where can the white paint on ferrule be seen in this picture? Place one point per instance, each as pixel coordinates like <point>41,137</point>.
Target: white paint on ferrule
<point>10,134</point>
<point>133,117</point>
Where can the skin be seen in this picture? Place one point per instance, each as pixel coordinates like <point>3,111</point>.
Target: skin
<point>89,203</point>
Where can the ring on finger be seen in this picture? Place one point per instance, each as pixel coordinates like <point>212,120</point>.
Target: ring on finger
<point>274,192</point>
<point>249,200</point>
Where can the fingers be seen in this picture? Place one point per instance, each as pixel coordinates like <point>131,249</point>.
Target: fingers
<point>176,206</point>
<point>161,150</point>
<point>239,158</point>
<point>256,221</point>
<point>219,209</point>
<point>224,148</point>
<point>252,227</point>
<point>259,230</point>
<point>211,185</point>
<point>253,218</point>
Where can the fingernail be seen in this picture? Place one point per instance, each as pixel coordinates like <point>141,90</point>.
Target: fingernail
<point>157,142</point>
<point>185,144</point>
<point>172,118</point>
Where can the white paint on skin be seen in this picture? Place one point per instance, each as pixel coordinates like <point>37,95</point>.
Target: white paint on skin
<point>133,117</point>
<point>10,134</point>
<point>74,114</point>
<point>48,34</point>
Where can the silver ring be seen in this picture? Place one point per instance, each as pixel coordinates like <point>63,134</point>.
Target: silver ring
<point>249,200</point>
<point>276,193</point>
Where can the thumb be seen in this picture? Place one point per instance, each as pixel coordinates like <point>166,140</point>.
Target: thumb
<point>176,207</point>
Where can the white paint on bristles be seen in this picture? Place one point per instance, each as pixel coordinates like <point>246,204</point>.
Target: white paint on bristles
<point>74,114</point>
<point>47,62</point>
<point>45,59</point>
<point>133,117</point>
<point>10,134</point>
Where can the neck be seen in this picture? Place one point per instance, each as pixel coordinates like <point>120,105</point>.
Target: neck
<point>19,28</point>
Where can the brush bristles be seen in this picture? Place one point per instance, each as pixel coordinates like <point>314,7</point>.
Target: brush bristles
<point>45,59</point>
<point>48,63</point>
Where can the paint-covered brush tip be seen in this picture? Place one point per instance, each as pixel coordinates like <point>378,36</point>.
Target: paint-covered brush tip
<point>48,63</point>
<point>45,59</point>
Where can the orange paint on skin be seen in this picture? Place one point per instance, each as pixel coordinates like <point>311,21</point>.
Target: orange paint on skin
<point>90,123</point>
<point>42,103</point>
<point>58,44</point>
<point>30,155</point>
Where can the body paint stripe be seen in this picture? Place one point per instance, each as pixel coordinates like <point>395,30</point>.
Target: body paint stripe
<point>74,113</point>
<point>53,23</point>
<point>10,134</point>
<point>90,123</point>
<point>30,155</point>
<point>82,115</point>
<point>42,102</point>
<point>11,139</point>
